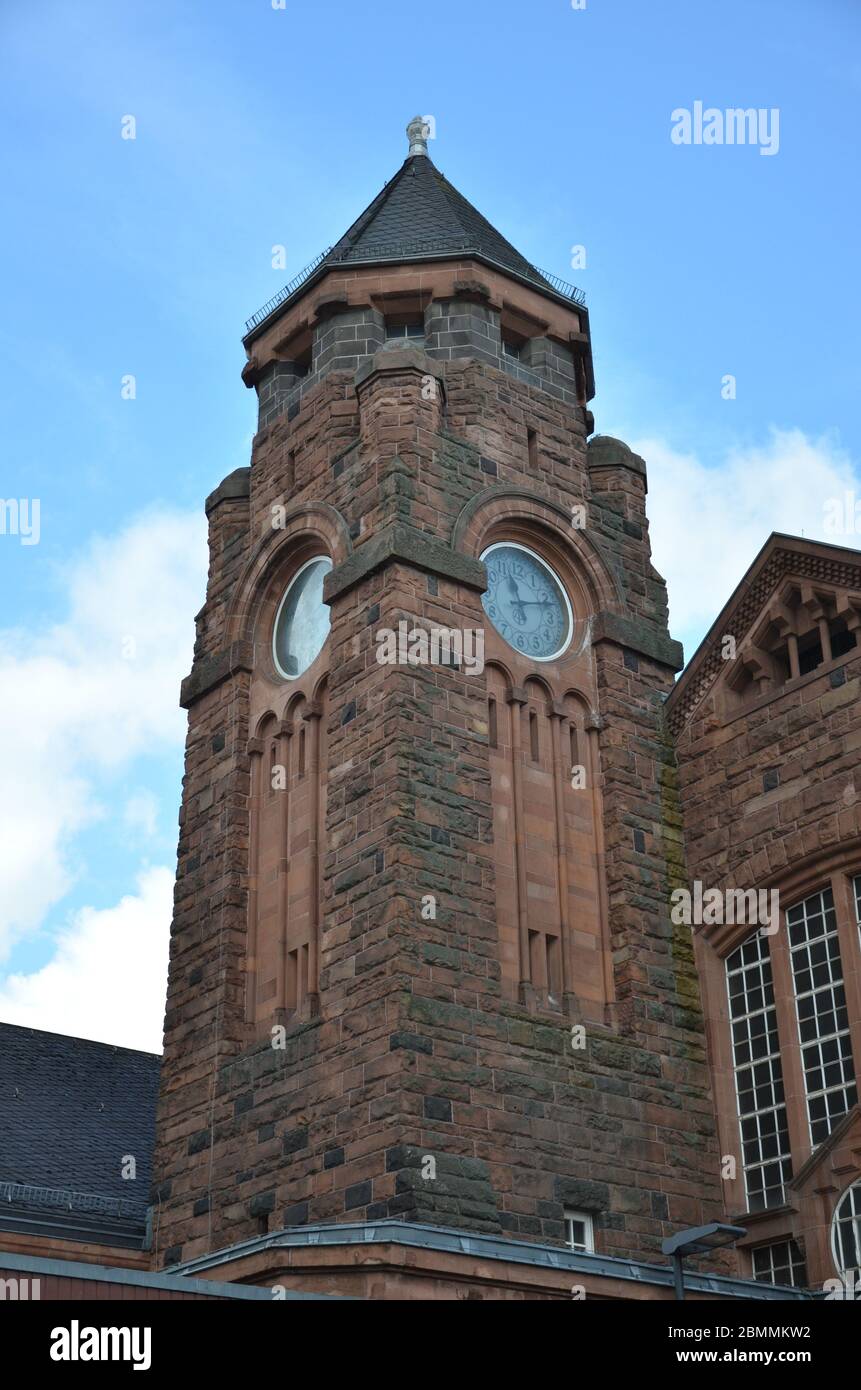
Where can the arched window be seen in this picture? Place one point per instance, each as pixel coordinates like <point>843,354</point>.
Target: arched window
<point>846,1232</point>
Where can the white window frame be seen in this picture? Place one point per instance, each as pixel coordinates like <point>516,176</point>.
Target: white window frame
<point>752,961</point>
<point>847,1198</point>
<point>588,1247</point>
<point>812,1050</point>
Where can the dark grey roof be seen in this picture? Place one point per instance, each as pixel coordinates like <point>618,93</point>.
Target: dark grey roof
<point>70,1110</point>
<point>418,215</point>
<point>419,208</point>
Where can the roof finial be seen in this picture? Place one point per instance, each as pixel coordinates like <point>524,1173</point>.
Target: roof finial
<point>417,134</point>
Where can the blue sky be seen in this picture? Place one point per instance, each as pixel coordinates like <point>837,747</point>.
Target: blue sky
<point>256,127</point>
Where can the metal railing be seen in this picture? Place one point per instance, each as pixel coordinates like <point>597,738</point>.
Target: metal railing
<point>286,292</point>
<point>57,1197</point>
<point>406,250</point>
<point>562,286</point>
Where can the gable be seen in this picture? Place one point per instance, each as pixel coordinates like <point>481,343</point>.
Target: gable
<point>797,609</point>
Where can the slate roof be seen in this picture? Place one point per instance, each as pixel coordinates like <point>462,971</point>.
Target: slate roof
<point>420,208</point>
<point>70,1109</point>
<point>417,215</point>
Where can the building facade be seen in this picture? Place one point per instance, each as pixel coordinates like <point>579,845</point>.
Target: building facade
<point>435,1027</point>
<point>767,734</point>
<point>422,967</point>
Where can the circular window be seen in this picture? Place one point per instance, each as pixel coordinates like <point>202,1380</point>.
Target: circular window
<point>846,1231</point>
<point>302,620</point>
<point>526,601</point>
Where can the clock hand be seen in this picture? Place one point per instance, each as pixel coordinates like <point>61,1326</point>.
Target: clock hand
<point>512,587</point>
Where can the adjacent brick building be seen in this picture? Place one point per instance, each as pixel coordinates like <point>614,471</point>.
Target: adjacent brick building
<point>767,732</point>
<point>433,1029</point>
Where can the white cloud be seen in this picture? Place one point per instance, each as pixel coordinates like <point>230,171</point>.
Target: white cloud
<point>107,978</point>
<point>708,524</point>
<point>140,814</point>
<point>80,701</point>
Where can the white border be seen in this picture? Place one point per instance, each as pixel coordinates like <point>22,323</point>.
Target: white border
<point>515,545</point>
<point>315,559</point>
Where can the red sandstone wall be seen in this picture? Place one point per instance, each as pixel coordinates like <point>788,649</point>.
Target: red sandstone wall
<point>771,796</point>
<point>419,1044</point>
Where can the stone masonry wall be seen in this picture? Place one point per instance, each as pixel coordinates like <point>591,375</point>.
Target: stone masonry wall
<point>415,1054</point>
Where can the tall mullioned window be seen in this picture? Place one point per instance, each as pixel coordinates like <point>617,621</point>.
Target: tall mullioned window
<point>823,1019</point>
<point>758,1074</point>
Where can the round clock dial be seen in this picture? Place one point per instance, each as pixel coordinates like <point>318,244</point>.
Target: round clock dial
<point>526,602</point>
<point>302,621</point>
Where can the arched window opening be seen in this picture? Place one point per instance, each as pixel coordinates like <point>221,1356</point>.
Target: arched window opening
<point>846,1233</point>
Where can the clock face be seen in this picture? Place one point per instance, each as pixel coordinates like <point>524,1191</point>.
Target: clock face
<point>526,602</point>
<point>302,621</point>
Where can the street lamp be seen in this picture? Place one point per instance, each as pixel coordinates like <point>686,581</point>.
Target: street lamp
<point>697,1240</point>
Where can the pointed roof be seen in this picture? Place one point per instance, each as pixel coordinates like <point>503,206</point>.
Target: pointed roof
<point>418,215</point>
<point>420,210</point>
<point>781,555</point>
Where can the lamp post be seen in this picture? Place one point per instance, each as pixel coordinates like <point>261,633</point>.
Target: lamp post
<point>697,1240</point>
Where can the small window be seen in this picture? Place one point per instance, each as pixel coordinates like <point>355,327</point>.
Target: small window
<point>780,1263</point>
<point>579,1232</point>
<point>842,640</point>
<point>512,343</point>
<point>809,652</point>
<point>302,751</point>
<point>534,749</point>
<point>532,449</point>
<point>302,362</point>
<point>400,329</point>
<point>492,730</point>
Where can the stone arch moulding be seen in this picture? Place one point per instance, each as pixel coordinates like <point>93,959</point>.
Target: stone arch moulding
<point>260,726</point>
<point>794,881</point>
<point>287,817</point>
<point>305,526</point>
<point>502,507</point>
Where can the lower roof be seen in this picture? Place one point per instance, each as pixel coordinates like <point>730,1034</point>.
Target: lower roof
<point>448,1240</point>
<point>101,1100</point>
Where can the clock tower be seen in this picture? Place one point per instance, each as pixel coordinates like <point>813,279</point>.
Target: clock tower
<point>425,995</point>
